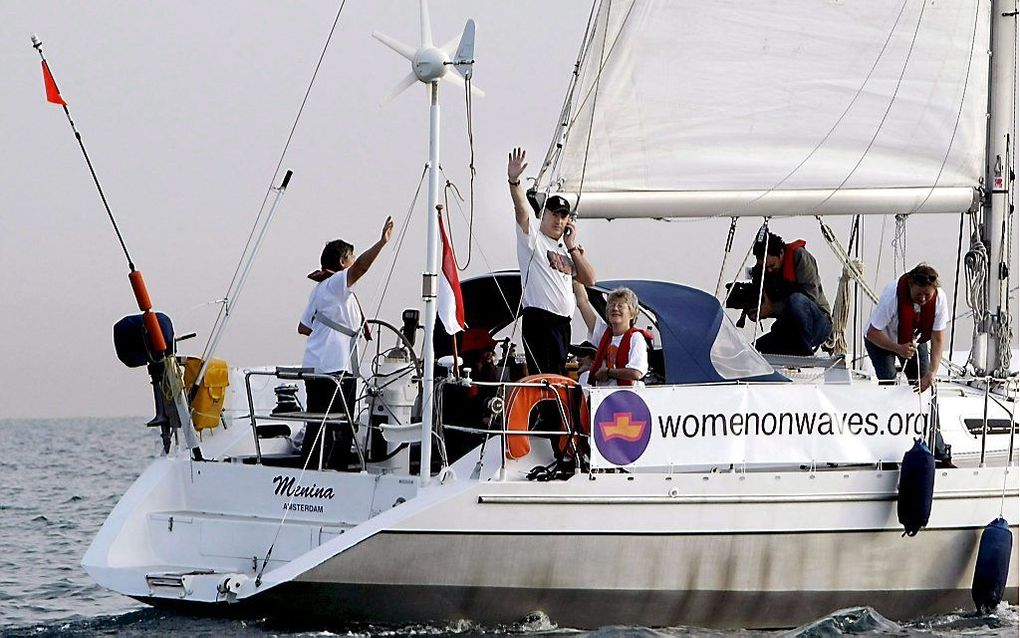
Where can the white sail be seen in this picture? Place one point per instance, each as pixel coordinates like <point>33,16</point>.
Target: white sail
<point>783,107</point>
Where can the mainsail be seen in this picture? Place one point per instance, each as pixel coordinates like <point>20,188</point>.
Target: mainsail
<point>687,108</point>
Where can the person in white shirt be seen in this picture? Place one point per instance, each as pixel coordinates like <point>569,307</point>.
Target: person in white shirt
<point>911,312</point>
<point>550,259</point>
<point>621,357</point>
<point>332,321</point>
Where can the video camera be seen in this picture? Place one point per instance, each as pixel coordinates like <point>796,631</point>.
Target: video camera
<point>744,295</point>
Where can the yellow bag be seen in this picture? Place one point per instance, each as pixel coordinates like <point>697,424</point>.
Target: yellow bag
<point>207,405</point>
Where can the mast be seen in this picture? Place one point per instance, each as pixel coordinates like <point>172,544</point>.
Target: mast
<point>429,289</point>
<point>1000,185</point>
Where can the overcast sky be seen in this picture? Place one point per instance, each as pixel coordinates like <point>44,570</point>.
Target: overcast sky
<point>185,108</point>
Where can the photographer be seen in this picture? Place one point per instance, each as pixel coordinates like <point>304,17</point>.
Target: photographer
<point>792,296</point>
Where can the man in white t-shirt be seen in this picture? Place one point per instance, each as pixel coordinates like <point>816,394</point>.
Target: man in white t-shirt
<point>332,321</point>
<point>621,355</point>
<point>550,259</point>
<point>911,311</point>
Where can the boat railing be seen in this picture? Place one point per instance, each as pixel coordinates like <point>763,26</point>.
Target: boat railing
<point>299,374</point>
<point>343,417</point>
<point>990,386</point>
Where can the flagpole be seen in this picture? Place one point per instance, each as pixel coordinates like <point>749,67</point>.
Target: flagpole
<point>53,95</point>
<point>152,326</point>
<point>157,340</point>
<point>456,360</point>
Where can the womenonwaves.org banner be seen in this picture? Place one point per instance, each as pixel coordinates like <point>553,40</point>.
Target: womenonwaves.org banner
<point>724,424</point>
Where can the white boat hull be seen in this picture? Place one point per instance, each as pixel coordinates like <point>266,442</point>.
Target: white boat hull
<point>756,549</point>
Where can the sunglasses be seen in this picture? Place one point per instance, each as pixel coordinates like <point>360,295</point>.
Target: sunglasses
<point>924,280</point>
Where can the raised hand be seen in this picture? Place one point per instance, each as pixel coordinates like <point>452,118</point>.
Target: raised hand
<point>515,164</point>
<point>387,230</point>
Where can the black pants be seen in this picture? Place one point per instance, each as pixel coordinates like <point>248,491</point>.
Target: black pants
<point>337,439</point>
<point>546,339</point>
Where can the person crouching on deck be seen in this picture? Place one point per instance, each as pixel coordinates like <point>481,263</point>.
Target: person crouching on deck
<point>622,354</point>
<point>793,296</point>
<point>332,321</point>
<point>549,259</point>
<point>910,313</point>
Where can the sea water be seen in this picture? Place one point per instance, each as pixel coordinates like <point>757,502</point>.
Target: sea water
<point>59,479</point>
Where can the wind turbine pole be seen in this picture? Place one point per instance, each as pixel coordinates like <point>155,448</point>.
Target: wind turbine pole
<point>430,287</point>
<point>429,65</point>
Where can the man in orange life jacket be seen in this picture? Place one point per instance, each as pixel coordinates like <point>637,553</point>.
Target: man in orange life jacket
<point>910,308</point>
<point>792,295</point>
<point>621,357</point>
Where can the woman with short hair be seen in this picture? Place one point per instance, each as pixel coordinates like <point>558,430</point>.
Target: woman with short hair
<point>622,354</point>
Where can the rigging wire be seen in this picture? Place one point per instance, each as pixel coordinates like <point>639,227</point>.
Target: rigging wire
<point>603,58</point>
<point>1004,330</point>
<point>881,250</point>
<point>400,243</point>
<point>959,111</point>
<point>321,443</point>
<point>842,116</point>
<point>888,108</point>
<point>471,184</point>
<point>726,254</point>
<point>563,123</point>
<point>225,307</point>
<point>765,236</point>
<point>956,283</point>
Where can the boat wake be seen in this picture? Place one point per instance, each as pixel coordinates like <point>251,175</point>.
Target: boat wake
<point>860,621</point>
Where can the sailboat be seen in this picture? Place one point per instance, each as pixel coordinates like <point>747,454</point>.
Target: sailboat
<point>729,492</point>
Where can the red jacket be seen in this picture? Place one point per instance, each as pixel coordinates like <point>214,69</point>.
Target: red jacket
<point>910,321</point>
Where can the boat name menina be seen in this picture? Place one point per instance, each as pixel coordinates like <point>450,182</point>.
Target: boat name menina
<point>288,486</point>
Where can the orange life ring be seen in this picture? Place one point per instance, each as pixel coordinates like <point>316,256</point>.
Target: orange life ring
<point>524,399</point>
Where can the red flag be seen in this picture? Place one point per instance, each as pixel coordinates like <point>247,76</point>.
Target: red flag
<point>52,94</point>
<point>451,302</point>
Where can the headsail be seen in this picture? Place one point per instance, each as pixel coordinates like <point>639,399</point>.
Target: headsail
<point>799,107</point>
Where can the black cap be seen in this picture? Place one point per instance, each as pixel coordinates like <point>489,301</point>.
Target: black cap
<point>557,204</point>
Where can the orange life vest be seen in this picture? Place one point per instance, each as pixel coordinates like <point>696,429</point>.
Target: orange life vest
<point>622,353</point>
<point>789,270</point>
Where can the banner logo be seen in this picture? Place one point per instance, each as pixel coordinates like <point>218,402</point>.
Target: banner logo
<point>623,427</point>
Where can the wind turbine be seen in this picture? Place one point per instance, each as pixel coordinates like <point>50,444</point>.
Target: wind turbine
<point>429,65</point>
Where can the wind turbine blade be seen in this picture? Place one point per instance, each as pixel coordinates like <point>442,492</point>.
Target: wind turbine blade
<point>466,50</point>
<point>426,25</point>
<point>450,47</point>
<point>409,80</point>
<point>401,48</point>
<point>459,81</point>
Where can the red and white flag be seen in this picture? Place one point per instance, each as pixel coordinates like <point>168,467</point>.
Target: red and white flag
<point>451,302</point>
